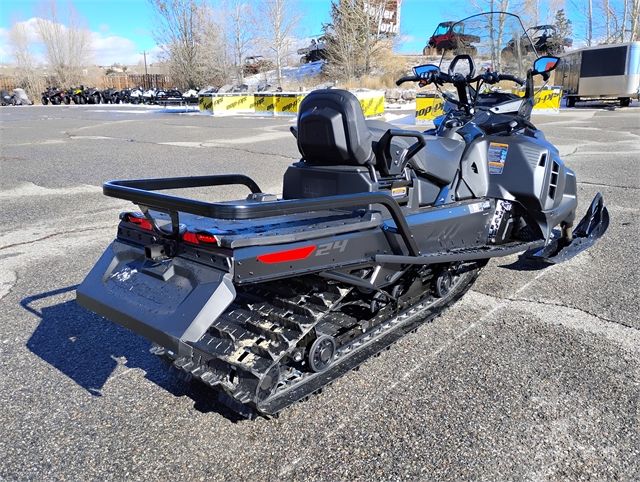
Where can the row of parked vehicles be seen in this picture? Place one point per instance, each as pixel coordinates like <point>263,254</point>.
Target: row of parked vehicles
<point>15,97</point>
<point>137,95</point>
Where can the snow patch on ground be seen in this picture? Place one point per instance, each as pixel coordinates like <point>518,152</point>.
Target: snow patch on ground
<point>289,74</point>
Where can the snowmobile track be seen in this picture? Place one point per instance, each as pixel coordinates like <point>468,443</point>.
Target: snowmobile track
<point>247,355</point>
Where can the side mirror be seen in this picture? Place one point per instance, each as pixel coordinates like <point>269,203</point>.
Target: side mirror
<point>544,65</point>
<point>422,70</point>
<point>463,65</point>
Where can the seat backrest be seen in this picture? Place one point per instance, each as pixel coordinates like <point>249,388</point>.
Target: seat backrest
<point>332,129</point>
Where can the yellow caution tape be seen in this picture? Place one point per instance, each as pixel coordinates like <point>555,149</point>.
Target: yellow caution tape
<point>233,103</point>
<point>264,103</point>
<point>372,103</point>
<point>205,102</point>
<point>287,103</point>
<point>545,99</point>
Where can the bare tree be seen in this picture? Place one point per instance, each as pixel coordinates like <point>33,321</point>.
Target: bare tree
<point>353,37</point>
<point>634,26</point>
<point>241,32</point>
<point>281,22</point>
<point>191,42</point>
<point>66,41</point>
<point>589,22</point>
<point>607,18</point>
<point>625,5</point>
<point>24,60</point>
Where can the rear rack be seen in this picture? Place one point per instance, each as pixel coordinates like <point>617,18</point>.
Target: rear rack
<point>142,192</point>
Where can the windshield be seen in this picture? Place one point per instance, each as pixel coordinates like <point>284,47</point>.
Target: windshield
<point>494,40</point>
<point>442,29</point>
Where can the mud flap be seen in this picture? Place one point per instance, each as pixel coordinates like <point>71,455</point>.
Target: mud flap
<point>590,228</point>
<point>168,302</point>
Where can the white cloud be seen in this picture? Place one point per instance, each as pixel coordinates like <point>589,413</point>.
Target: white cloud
<point>105,49</point>
<point>111,49</point>
<point>5,51</point>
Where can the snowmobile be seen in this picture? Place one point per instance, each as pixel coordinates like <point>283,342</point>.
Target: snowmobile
<point>6,98</point>
<point>267,300</point>
<point>135,96</point>
<point>149,96</point>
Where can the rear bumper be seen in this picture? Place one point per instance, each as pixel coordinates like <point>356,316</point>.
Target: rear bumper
<point>168,302</point>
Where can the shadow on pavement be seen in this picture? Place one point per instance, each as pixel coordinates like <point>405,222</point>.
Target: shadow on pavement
<point>526,264</point>
<point>85,347</point>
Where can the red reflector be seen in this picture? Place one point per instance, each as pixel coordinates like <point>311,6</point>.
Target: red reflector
<point>190,238</point>
<point>206,238</point>
<point>141,222</point>
<point>289,255</point>
<point>199,238</point>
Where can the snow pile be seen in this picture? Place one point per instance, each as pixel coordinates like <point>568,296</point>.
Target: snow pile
<point>289,74</point>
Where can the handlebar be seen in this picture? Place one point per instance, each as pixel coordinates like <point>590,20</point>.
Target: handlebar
<point>441,77</point>
<point>408,78</point>
<point>512,78</point>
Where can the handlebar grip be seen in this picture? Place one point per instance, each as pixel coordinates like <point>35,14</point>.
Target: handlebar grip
<point>408,78</point>
<point>512,78</point>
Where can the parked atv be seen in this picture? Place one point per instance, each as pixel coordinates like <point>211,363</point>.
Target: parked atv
<point>109,96</point>
<point>545,40</point>
<point>256,64</point>
<point>92,95</point>
<point>55,96</point>
<point>378,231</point>
<point>315,51</point>
<point>78,95</point>
<point>447,38</point>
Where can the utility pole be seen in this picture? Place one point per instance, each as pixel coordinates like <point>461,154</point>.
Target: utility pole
<point>147,84</point>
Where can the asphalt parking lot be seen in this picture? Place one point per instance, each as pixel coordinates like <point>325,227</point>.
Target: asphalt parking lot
<point>533,375</point>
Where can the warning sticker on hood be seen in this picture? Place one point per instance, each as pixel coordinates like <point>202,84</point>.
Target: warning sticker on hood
<point>497,157</point>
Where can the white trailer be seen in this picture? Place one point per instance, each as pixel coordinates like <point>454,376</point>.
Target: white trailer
<point>602,72</point>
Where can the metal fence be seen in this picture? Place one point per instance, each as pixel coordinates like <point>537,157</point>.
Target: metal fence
<point>118,81</point>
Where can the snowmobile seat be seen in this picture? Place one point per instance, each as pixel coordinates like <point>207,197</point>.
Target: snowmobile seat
<point>332,130</point>
<point>339,148</point>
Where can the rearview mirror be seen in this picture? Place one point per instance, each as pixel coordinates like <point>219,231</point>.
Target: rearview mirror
<point>544,65</point>
<point>422,70</point>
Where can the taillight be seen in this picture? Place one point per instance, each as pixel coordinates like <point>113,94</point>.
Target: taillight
<point>295,254</point>
<point>199,238</point>
<point>141,222</point>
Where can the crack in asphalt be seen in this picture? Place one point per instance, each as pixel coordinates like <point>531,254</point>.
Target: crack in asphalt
<point>559,305</point>
<point>53,235</point>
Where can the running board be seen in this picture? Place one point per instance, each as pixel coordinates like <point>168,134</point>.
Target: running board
<point>452,256</point>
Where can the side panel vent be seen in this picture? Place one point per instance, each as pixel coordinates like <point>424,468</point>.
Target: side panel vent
<point>553,182</point>
<point>543,160</point>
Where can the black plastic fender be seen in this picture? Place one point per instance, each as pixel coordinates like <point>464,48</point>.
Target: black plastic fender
<point>169,301</point>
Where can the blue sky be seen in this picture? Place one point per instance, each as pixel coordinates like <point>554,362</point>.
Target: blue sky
<point>122,28</point>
